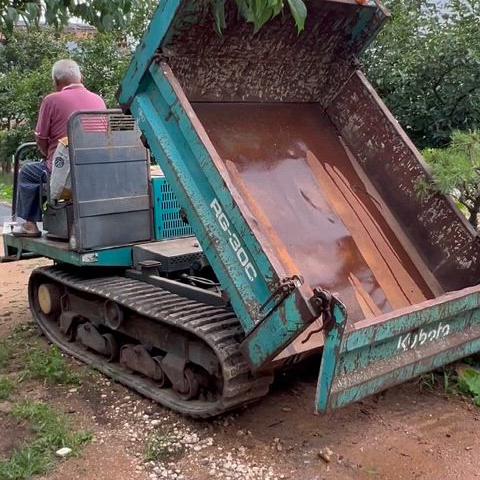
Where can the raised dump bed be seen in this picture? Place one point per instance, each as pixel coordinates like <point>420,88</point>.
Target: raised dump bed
<point>303,192</point>
<point>317,208</point>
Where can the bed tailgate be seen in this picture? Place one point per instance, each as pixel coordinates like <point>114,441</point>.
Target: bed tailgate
<point>393,348</point>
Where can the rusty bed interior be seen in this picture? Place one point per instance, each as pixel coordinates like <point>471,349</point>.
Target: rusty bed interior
<point>311,197</point>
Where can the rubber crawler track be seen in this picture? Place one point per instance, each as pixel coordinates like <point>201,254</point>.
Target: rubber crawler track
<point>217,327</point>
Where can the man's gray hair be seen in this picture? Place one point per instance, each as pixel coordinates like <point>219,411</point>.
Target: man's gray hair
<point>66,71</point>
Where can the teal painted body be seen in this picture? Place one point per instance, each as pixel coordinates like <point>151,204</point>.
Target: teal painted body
<point>109,257</point>
<point>394,348</point>
<point>358,360</point>
<point>249,269</point>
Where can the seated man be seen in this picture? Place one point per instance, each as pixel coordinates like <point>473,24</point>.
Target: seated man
<point>70,97</point>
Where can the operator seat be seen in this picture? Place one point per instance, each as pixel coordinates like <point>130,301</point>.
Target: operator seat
<point>110,201</point>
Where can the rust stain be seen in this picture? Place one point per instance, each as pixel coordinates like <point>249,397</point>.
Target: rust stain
<point>400,287</point>
<point>269,148</point>
<point>261,218</point>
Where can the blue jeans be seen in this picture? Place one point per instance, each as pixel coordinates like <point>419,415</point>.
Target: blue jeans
<point>30,181</point>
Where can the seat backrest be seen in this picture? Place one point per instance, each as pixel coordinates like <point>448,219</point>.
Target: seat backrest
<point>110,181</point>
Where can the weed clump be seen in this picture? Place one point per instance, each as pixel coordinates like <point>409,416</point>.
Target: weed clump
<point>469,384</point>
<point>163,447</point>
<point>6,388</point>
<point>5,353</point>
<point>15,344</point>
<point>49,366</point>
<point>52,431</point>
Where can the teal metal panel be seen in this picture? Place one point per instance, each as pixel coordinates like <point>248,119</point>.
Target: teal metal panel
<point>147,49</point>
<point>113,257</point>
<point>59,251</point>
<point>365,17</point>
<point>168,223</point>
<point>250,279</point>
<point>393,348</point>
<point>331,351</point>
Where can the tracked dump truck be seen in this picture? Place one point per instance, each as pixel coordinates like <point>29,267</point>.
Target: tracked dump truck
<point>282,219</point>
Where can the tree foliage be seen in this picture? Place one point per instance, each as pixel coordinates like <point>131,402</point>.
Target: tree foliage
<point>259,12</point>
<point>26,59</point>
<point>108,15</point>
<point>140,19</point>
<point>456,171</point>
<point>103,64</point>
<point>105,15</point>
<point>426,66</point>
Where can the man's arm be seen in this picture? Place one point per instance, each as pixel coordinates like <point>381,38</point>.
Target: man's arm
<point>42,144</point>
<point>42,131</point>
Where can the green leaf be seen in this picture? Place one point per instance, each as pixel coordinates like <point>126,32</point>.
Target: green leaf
<point>219,14</point>
<point>299,13</point>
<point>32,12</point>
<point>107,22</point>
<point>12,14</point>
<point>469,382</point>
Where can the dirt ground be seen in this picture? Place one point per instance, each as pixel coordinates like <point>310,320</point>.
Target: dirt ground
<point>405,433</point>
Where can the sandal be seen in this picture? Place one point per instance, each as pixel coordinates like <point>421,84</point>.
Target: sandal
<point>21,232</point>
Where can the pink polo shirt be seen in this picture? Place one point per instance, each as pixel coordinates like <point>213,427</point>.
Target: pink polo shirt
<point>57,108</point>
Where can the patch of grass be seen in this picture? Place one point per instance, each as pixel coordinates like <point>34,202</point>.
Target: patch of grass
<point>455,380</point>
<point>6,192</point>
<point>163,447</point>
<point>6,350</point>
<point>53,428</point>
<point>36,362</point>
<point>50,366</point>
<point>15,343</point>
<point>444,379</point>
<point>469,384</point>
<point>428,381</point>
<point>24,464</point>
<point>6,388</point>
<point>52,431</point>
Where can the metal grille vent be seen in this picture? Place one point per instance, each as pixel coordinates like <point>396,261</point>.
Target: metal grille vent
<point>122,122</point>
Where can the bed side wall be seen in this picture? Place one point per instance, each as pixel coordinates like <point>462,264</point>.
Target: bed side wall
<point>448,244</point>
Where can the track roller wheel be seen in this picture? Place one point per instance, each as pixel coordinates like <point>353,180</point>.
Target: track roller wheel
<point>185,381</point>
<point>112,314</point>
<point>112,347</point>
<point>104,344</point>
<point>49,298</point>
<point>191,385</point>
<point>138,359</point>
<point>68,322</point>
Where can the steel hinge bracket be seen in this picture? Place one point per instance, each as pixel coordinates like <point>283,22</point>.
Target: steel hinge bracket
<point>283,289</point>
<point>324,302</point>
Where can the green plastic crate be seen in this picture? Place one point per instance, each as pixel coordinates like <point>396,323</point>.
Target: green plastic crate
<point>168,223</point>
